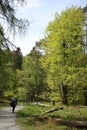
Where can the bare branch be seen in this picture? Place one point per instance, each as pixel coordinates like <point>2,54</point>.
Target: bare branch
<point>8,13</point>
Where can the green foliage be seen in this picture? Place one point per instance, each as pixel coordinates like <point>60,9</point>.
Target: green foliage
<point>37,124</point>
<point>71,113</point>
<point>33,76</point>
<point>17,59</point>
<point>56,68</point>
<point>4,103</point>
<point>28,118</point>
<point>63,55</point>
<point>8,79</point>
<point>30,110</point>
<point>68,113</point>
<point>9,61</point>
<point>21,93</point>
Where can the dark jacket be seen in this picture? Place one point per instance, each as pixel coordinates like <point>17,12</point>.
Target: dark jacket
<point>13,103</point>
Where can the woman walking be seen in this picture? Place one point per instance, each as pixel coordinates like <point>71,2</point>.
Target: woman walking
<point>13,104</point>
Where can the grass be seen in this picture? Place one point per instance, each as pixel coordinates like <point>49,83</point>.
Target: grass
<point>29,111</point>
<point>30,117</point>
<point>71,113</point>
<point>32,123</point>
<point>4,103</point>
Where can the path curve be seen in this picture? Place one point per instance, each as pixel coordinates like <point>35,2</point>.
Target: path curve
<point>7,118</point>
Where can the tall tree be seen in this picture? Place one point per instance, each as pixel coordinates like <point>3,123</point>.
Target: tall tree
<point>33,78</point>
<point>17,59</point>
<point>64,53</point>
<point>7,58</point>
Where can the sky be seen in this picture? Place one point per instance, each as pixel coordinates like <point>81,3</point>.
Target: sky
<point>40,13</point>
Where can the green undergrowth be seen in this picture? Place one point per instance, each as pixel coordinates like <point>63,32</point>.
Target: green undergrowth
<point>31,118</point>
<point>29,110</point>
<point>33,123</point>
<point>4,103</point>
<point>71,113</point>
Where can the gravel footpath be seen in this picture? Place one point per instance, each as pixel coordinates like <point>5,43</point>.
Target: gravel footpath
<point>7,118</point>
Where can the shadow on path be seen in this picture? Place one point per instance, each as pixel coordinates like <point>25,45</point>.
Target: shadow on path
<point>7,118</point>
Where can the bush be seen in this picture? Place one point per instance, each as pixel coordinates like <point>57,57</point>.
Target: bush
<point>30,110</point>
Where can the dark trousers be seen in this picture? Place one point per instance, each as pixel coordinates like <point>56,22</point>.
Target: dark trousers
<point>13,109</point>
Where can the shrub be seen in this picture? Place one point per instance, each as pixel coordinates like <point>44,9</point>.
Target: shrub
<point>30,110</point>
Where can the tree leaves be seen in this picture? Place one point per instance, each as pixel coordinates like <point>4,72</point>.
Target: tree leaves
<point>64,52</point>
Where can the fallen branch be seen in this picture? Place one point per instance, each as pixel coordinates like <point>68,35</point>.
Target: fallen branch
<point>49,111</point>
<point>43,105</point>
<point>81,124</point>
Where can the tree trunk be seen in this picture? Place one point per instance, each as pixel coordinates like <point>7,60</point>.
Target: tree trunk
<point>79,124</point>
<point>63,93</point>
